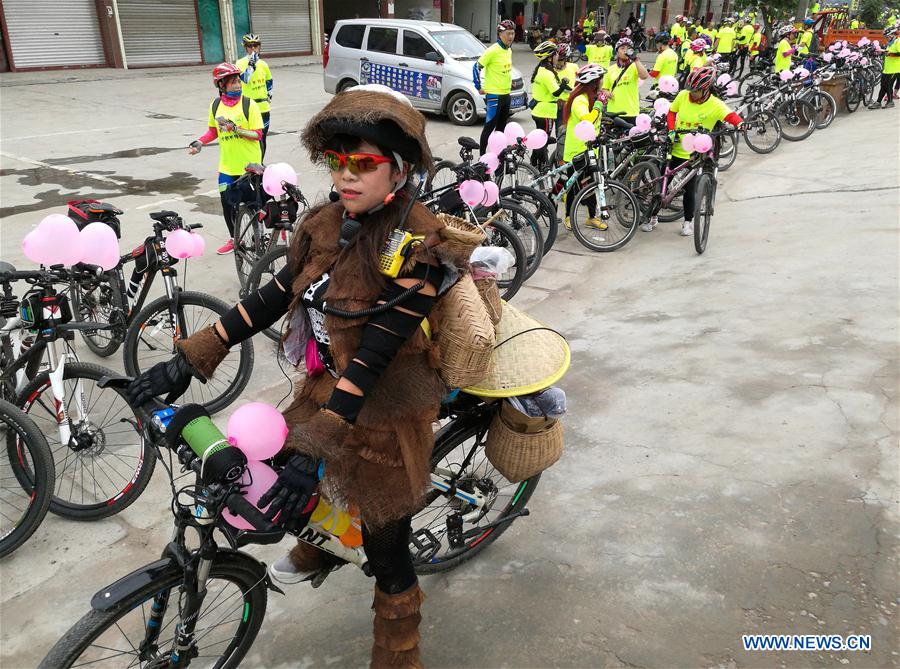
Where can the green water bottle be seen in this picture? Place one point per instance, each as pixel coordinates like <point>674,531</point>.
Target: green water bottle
<point>221,462</point>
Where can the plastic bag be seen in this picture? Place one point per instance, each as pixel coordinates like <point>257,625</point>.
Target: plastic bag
<point>490,262</point>
<point>547,403</point>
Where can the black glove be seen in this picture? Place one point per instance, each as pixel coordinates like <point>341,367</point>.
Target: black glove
<point>292,492</point>
<point>172,377</point>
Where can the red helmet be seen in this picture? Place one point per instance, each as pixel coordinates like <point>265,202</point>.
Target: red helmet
<point>223,71</point>
<point>701,79</point>
<point>506,24</point>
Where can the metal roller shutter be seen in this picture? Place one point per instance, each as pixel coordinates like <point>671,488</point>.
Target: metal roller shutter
<point>49,33</point>
<point>160,32</point>
<point>282,25</point>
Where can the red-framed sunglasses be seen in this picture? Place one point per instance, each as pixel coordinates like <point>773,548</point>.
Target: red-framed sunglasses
<point>357,162</point>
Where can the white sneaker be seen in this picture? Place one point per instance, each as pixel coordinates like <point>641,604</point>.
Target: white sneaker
<point>285,572</point>
<point>687,229</point>
<point>648,226</point>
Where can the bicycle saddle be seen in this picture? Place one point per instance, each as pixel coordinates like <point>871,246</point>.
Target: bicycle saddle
<point>163,216</point>
<point>6,267</point>
<point>255,168</point>
<point>468,143</point>
<point>107,207</point>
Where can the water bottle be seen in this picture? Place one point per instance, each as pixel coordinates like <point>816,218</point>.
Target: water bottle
<point>337,522</point>
<point>220,461</point>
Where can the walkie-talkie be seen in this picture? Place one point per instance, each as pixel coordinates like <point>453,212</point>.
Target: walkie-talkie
<point>400,243</point>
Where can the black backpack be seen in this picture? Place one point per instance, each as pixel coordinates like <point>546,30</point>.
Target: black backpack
<point>245,104</point>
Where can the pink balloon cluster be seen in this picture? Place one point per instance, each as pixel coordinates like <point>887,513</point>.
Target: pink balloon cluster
<point>703,143</point>
<point>258,429</point>
<point>274,176</point>
<point>642,123</point>
<point>491,160</point>
<point>57,241</point>
<point>863,41</point>
<point>827,57</point>
<point>844,53</point>
<point>513,132</point>
<point>497,142</point>
<point>687,142</point>
<point>536,139</point>
<point>668,84</point>
<point>661,106</point>
<point>474,193</point>
<point>183,244</point>
<point>585,131</point>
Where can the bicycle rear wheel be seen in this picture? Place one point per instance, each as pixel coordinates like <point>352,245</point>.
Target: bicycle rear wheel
<point>264,271</point>
<point>763,133</point>
<point>852,96</point>
<point>539,206</point>
<point>443,176</point>
<point>826,108</point>
<point>502,236</point>
<point>24,499</point>
<point>100,301</point>
<point>152,336</point>
<point>797,119</point>
<point>249,241</point>
<point>233,610</point>
<point>102,463</point>
<point>609,204</point>
<point>641,180</point>
<point>727,151</point>
<point>703,216</point>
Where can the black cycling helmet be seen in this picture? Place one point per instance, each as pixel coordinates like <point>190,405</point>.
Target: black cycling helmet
<point>661,37</point>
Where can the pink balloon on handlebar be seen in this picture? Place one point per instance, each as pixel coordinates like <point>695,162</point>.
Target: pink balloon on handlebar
<point>274,175</point>
<point>786,75</point>
<point>57,241</point>
<point>827,57</point>
<point>513,132</point>
<point>491,194</point>
<point>497,141</point>
<point>687,143</point>
<point>703,143</point>
<point>258,430</point>
<point>661,105</point>
<point>723,79</point>
<point>471,192</point>
<point>668,84</point>
<point>863,41</point>
<point>99,246</point>
<point>199,245</point>
<point>732,88</point>
<point>491,160</point>
<point>585,131</point>
<point>179,244</point>
<point>643,122</point>
<point>258,478</point>
<point>536,139</point>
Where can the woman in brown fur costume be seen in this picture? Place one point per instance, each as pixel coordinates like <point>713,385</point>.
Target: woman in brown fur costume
<point>368,416</point>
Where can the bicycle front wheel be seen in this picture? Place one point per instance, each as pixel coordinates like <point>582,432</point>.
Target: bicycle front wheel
<point>727,151</point>
<point>705,191</point>
<point>797,119</point>
<point>249,241</point>
<point>826,108</point>
<point>157,328</point>
<point>852,96</point>
<point>264,271</point>
<point>504,237</point>
<point>233,610</point>
<point>526,227</point>
<point>604,216</point>
<point>539,206</point>
<point>102,463</point>
<point>26,478</point>
<point>763,134</point>
<point>642,181</point>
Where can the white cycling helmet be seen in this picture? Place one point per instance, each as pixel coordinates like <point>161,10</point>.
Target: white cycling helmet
<point>588,73</point>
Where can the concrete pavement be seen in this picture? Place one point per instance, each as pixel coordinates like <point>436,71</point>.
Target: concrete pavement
<point>732,444</point>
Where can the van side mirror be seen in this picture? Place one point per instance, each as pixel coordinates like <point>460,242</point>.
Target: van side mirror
<point>434,57</point>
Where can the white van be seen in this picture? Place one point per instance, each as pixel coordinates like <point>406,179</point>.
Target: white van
<point>431,63</point>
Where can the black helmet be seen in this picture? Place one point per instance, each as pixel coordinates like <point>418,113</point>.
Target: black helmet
<point>661,37</point>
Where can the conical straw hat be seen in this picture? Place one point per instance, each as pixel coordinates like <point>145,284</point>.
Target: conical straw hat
<point>528,357</point>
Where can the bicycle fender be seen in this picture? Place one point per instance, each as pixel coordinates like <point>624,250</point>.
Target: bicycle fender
<point>112,595</point>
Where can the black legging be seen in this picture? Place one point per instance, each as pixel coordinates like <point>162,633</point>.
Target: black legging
<point>687,194</point>
<point>590,202</point>
<point>539,157</point>
<point>265,132</point>
<point>888,82</point>
<point>741,59</point>
<point>387,549</point>
<point>229,211</point>
<point>496,118</point>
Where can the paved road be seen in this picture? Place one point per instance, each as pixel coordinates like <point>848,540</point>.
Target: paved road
<point>731,462</point>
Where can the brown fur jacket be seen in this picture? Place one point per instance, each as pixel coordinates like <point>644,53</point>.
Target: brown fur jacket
<point>382,466</point>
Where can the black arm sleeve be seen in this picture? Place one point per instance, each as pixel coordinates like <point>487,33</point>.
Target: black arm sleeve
<point>264,307</point>
<point>562,88</point>
<point>382,337</point>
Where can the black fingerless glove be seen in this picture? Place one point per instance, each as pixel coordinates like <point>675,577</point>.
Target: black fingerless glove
<point>172,377</point>
<point>292,494</point>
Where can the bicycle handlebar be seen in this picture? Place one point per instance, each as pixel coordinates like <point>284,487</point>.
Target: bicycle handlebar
<point>52,274</point>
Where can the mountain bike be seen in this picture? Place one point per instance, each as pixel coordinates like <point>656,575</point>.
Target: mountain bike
<point>204,604</point>
<point>100,460</point>
<point>263,222</point>
<point>23,503</point>
<point>149,332</point>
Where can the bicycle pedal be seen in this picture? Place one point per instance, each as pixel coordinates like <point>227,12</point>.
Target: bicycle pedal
<point>426,545</point>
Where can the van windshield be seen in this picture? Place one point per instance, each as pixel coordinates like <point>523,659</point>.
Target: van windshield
<point>459,44</point>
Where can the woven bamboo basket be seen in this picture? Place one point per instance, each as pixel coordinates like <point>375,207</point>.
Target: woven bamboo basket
<point>459,236</point>
<point>466,337</point>
<point>489,292</point>
<point>519,455</point>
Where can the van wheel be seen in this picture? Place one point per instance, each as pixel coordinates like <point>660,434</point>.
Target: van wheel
<point>461,109</point>
<point>345,84</point>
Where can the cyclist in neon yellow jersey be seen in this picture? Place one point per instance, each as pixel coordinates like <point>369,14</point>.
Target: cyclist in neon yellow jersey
<point>257,80</point>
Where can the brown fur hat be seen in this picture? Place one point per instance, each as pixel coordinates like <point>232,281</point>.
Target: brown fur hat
<point>381,117</point>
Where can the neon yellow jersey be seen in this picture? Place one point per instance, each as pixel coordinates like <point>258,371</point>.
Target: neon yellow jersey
<point>892,63</point>
<point>745,35</point>
<point>694,60</point>
<point>256,89</point>
<point>625,95</point>
<point>579,112</point>
<point>599,54</point>
<point>542,89</point>
<point>692,116</point>
<point>782,62</point>
<point>497,64</point>
<point>677,31</point>
<point>588,26</point>
<point>814,9</point>
<point>757,40</point>
<point>854,24</point>
<point>235,152</point>
<point>804,42</point>
<point>726,40</point>
<point>666,63</point>
<point>569,72</point>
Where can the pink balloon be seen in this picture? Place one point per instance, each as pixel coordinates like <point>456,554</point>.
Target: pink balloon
<point>258,429</point>
<point>179,244</point>
<point>661,106</point>
<point>491,160</point>
<point>835,47</point>
<point>785,75</point>
<point>702,143</point>
<point>199,245</point>
<point>723,79</point>
<point>732,88</point>
<point>876,43</point>
<point>497,142</point>
<point>687,143</point>
<point>863,61</point>
<point>536,139</point>
<point>471,192</point>
<point>585,131</point>
<point>843,53</point>
<point>801,72</point>
<point>643,122</point>
<point>99,246</point>
<point>34,248</point>
<point>258,478</point>
<point>274,175</point>
<point>863,41</point>
<point>513,132</point>
<point>635,131</point>
<point>668,84</point>
<point>827,57</point>
<point>60,240</point>
<point>491,194</point>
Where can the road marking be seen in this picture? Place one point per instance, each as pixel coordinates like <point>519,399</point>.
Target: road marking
<point>83,173</point>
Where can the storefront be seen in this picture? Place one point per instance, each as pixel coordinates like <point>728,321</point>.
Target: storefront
<point>160,32</point>
<point>284,26</point>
